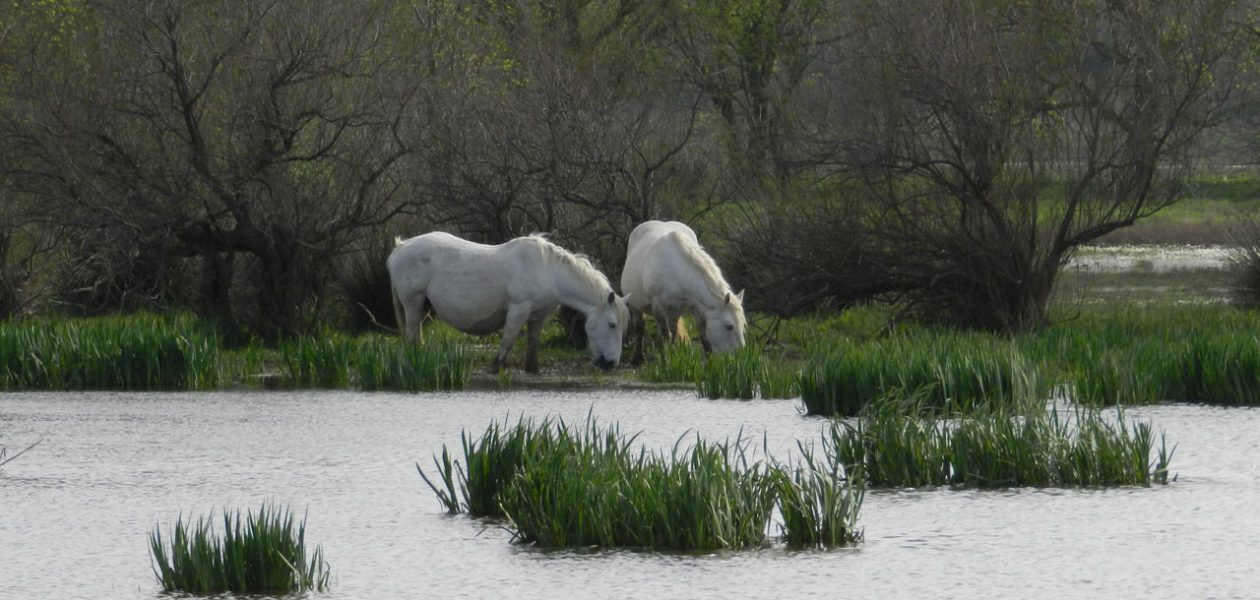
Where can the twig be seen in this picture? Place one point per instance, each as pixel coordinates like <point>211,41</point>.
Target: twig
<point>6,461</point>
<point>372,318</point>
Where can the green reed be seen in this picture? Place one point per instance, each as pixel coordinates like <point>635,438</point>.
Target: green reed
<point>562,486</point>
<point>385,363</point>
<point>675,363</point>
<point>998,448</point>
<point>1153,354</point>
<point>954,369</point>
<point>260,552</point>
<point>744,373</point>
<point>134,352</point>
<point>321,361</point>
<point>819,504</point>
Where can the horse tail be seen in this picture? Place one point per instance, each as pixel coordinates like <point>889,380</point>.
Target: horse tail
<point>680,332</point>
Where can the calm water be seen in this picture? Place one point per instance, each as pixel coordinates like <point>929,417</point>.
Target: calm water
<point>75,512</point>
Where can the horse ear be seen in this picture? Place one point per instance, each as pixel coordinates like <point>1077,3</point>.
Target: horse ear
<point>728,299</point>
<point>740,295</point>
<point>612,297</point>
<point>626,298</point>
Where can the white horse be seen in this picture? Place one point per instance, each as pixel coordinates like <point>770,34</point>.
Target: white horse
<point>668,274</point>
<point>479,289</point>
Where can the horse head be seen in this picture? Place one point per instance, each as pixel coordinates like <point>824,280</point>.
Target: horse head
<point>724,327</point>
<point>605,329</point>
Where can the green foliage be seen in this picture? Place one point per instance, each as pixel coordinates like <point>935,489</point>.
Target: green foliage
<point>886,447</point>
<point>134,352</point>
<point>573,487</point>
<point>261,552</point>
<point>952,369</point>
<point>1207,354</point>
<point>818,503</point>
<point>745,373</point>
<point>385,363</point>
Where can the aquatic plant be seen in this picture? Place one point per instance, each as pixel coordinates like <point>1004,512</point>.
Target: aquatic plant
<point>385,363</point>
<point>133,352</point>
<point>321,361</point>
<point>819,504</point>
<point>260,552</point>
<point>675,363</point>
<point>5,459</point>
<point>744,374</point>
<point>954,369</point>
<point>561,486</point>
<point>998,447</point>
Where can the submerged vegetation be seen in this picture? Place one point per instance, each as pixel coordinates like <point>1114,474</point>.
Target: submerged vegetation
<point>563,486</point>
<point>259,552</point>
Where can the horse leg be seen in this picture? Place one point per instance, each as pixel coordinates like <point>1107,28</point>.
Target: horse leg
<point>664,326</point>
<point>638,330</point>
<point>413,319</point>
<point>517,315</point>
<point>704,340</point>
<point>533,332</point>
<point>680,331</point>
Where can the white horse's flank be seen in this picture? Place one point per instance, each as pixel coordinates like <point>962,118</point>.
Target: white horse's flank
<point>668,274</point>
<point>480,289</point>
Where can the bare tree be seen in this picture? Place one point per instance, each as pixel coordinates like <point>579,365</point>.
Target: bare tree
<point>987,141</point>
<point>253,138</point>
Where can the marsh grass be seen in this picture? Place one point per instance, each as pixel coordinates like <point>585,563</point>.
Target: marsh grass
<point>260,552</point>
<point>563,486</point>
<point>675,363</point>
<point>818,503</point>
<point>1154,354</point>
<point>744,374</point>
<point>133,352</point>
<point>385,363</point>
<point>321,361</point>
<point>951,369</point>
<point>999,448</point>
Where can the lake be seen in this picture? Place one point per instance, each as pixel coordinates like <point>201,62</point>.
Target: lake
<point>78,509</point>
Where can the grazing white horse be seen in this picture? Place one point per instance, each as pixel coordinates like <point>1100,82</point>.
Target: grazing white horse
<point>668,274</point>
<point>480,289</point>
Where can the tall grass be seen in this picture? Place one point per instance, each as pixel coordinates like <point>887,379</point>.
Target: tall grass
<point>999,448</point>
<point>1191,354</point>
<point>384,363</point>
<point>562,486</point>
<point>134,352</point>
<point>952,369</point>
<point>745,373</point>
<point>675,363</point>
<point>258,553</point>
<point>321,361</point>
<point>819,504</point>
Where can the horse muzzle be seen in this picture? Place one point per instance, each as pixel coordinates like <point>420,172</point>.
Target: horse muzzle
<point>605,364</point>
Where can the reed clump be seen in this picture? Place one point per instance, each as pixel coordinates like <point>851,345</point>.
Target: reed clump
<point>745,373</point>
<point>890,447</point>
<point>562,486</point>
<point>260,552</point>
<point>383,363</point>
<point>133,352</point>
<point>952,370</point>
<point>1190,354</point>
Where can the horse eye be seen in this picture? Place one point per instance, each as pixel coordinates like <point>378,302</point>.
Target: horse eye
<point>730,328</point>
<point>612,325</point>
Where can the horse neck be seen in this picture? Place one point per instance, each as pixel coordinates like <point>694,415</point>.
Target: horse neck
<point>577,287</point>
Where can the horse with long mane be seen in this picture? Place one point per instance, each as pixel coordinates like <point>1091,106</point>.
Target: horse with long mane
<point>668,274</point>
<point>479,289</point>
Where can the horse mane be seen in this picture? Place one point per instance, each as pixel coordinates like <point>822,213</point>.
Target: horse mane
<point>595,282</point>
<point>709,270</point>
